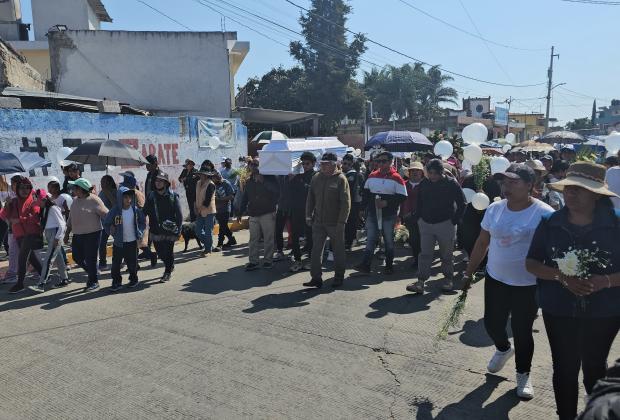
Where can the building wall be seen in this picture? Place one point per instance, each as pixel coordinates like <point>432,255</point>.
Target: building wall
<point>46,14</point>
<point>171,139</point>
<point>183,72</point>
<point>15,71</point>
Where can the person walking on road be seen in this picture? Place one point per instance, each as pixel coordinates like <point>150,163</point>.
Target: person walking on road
<point>440,206</point>
<point>356,185</point>
<point>126,223</point>
<point>205,211</point>
<point>260,197</point>
<point>163,209</point>
<point>189,178</point>
<point>224,195</point>
<point>509,290</point>
<point>87,212</point>
<point>299,186</point>
<point>383,193</point>
<point>327,210</point>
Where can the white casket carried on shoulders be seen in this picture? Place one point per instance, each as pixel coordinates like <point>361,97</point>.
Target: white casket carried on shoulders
<point>282,157</point>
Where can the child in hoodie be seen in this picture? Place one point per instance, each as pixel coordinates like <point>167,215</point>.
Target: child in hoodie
<point>126,223</point>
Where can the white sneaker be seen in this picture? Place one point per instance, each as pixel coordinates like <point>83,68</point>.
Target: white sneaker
<point>499,359</point>
<point>524,386</point>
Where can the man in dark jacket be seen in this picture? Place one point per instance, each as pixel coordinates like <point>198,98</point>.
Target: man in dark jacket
<point>165,220</point>
<point>604,403</point>
<point>327,209</point>
<point>259,198</point>
<point>299,185</point>
<point>408,208</point>
<point>149,185</point>
<point>189,179</point>
<point>440,207</point>
<point>356,184</point>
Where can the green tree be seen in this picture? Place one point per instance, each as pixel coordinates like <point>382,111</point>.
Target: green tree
<point>579,124</point>
<point>280,88</point>
<point>435,92</point>
<point>330,62</point>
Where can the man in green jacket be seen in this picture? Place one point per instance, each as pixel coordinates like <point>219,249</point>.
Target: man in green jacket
<point>327,210</point>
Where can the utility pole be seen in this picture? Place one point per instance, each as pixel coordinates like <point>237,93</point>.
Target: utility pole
<point>508,101</point>
<point>549,87</point>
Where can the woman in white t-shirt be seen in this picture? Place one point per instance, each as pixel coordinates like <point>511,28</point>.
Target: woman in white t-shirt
<point>510,290</point>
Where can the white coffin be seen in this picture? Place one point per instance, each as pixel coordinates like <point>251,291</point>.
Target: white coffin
<point>282,157</point>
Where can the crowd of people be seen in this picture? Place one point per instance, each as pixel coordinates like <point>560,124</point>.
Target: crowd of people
<point>540,210</point>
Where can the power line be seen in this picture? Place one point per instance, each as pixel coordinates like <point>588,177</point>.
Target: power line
<point>467,32</point>
<point>583,95</point>
<point>165,15</point>
<point>597,2</point>
<point>475,79</point>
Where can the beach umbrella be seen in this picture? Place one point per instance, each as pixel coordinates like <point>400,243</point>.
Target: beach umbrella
<point>563,137</point>
<point>399,141</point>
<point>265,137</point>
<point>106,152</point>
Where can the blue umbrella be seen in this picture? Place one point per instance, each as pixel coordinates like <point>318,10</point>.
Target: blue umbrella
<point>399,141</point>
<point>10,164</point>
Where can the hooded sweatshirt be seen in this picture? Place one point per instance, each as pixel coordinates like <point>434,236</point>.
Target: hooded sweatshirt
<point>329,199</point>
<point>115,215</point>
<point>27,211</point>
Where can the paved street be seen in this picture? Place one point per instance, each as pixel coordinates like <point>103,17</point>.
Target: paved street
<point>218,343</point>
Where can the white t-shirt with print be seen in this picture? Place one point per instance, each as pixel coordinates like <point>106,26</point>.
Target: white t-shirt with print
<point>511,234</point>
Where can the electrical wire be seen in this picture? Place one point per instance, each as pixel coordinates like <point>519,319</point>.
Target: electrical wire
<point>165,15</point>
<point>597,2</point>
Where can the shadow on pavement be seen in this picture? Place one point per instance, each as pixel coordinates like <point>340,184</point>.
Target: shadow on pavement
<point>472,404</point>
<point>474,334</point>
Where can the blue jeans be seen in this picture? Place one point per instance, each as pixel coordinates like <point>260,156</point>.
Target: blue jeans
<point>204,230</point>
<point>372,236</point>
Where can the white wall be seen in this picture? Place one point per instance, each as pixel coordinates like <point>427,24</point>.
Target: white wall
<point>179,72</point>
<point>48,13</point>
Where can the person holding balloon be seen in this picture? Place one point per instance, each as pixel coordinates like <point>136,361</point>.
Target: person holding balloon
<point>510,290</point>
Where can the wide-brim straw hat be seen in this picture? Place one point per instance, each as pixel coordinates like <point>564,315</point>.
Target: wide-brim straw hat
<point>585,175</point>
<point>414,166</point>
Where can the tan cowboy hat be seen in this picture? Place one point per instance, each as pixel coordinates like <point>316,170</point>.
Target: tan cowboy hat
<point>585,175</point>
<point>536,165</point>
<point>414,166</point>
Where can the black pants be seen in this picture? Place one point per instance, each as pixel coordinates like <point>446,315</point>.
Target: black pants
<point>414,236</point>
<point>165,251</point>
<point>299,227</point>
<point>281,218</point>
<point>27,245</point>
<point>353,222</point>
<point>578,343</point>
<point>85,248</point>
<point>129,253</point>
<point>191,202</point>
<point>224,231</point>
<point>518,302</point>
<point>103,248</point>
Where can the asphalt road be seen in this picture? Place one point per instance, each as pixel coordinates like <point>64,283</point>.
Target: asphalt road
<point>217,342</point>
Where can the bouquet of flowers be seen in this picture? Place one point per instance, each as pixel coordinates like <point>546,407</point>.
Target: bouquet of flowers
<point>401,234</point>
<point>580,262</point>
<point>453,316</point>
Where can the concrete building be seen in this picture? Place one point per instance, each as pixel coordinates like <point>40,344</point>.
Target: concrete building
<point>473,107</point>
<point>167,73</point>
<point>608,117</point>
<point>16,72</point>
<point>534,124</point>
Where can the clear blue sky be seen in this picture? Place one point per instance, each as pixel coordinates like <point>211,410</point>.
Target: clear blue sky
<point>584,35</point>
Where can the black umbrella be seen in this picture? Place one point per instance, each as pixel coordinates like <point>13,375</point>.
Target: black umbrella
<point>399,141</point>
<point>10,164</point>
<point>106,152</point>
<point>562,137</point>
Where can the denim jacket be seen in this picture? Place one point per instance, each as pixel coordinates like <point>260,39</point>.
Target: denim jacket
<point>553,238</point>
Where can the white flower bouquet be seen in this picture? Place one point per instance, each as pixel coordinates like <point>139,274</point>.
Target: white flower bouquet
<point>580,262</point>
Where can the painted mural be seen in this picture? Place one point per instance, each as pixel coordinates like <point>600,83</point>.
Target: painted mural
<point>171,139</point>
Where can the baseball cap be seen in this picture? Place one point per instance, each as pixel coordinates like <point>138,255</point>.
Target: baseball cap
<point>83,183</point>
<point>71,167</point>
<point>518,171</point>
<point>127,174</point>
<point>308,156</point>
<point>329,157</point>
<point>546,157</point>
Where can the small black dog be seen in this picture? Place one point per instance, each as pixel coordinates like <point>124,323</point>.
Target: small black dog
<point>188,233</point>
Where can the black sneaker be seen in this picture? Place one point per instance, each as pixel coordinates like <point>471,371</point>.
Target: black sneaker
<point>232,242</point>
<point>62,283</point>
<point>314,283</point>
<point>92,287</point>
<point>216,249</point>
<point>362,268</point>
<point>251,267</point>
<point>133,284</point>
<point>103,266</point>
<point>17,288</point>
<point>388,270</point>
<point>115,288</point>
<point>165,278</point>
<point>337,282</point>
<point>153,260</point>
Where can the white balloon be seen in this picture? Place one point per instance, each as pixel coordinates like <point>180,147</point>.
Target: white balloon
<point>61,156</point>
<point>506,148</point>
<point>499,164</point>
<point>480,201</point>
<point>475,133</point>
<point>469,194</point>
<point>511,138</point>
<point>473,153</point>
<point>444,149</point>
<point>612,143</point>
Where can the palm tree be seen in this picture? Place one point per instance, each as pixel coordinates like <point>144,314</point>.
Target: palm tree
<point>435,92</point>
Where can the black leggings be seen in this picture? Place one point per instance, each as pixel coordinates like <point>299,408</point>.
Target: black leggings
<point>519,302</point>
<point>300,228</point>
<point>578,343</point>
<point>27,255</point>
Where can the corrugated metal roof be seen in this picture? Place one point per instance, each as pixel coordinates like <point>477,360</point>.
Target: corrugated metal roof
<point>19,92</point>
<point>100,11</point>
<point>274,116</point>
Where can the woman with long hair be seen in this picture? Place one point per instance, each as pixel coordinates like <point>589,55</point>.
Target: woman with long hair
<point>581,312</point>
